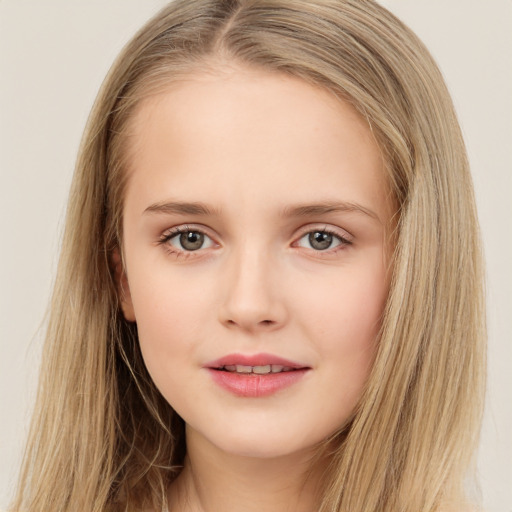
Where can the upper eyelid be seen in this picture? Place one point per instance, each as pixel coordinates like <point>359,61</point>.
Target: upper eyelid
<point>334,230</point>
<point>182,228</point>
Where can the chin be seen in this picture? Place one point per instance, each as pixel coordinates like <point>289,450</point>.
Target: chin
<point>261,444</point>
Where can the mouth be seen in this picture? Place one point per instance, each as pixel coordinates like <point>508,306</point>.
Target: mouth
<point>256,370</point>
<point>255,363</point>
<point>255,376</point>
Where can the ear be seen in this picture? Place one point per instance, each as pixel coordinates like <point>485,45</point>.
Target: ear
<point>123,288</point>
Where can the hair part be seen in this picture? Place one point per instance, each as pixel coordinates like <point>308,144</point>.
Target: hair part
<point>103,438</point>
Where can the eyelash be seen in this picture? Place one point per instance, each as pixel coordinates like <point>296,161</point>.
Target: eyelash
<point>343,241</point>
<point>174,232</point>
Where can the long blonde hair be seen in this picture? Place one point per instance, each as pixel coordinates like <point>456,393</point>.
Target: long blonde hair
<point>103,438</point>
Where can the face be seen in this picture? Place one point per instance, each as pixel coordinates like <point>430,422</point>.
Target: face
<point>256,258</point>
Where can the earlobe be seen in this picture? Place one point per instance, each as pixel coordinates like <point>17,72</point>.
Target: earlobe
<point>123,288</point>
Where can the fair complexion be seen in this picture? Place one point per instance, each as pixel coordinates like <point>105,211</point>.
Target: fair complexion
<point>255,223</point>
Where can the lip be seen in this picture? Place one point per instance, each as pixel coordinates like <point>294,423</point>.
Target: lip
<point>252,385</point>
<point>253,360</point>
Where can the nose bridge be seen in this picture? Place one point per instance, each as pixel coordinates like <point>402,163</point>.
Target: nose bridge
<point>253,299</point>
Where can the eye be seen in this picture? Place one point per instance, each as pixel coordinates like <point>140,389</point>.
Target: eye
<point>322,240</point>
<point>188,240</point>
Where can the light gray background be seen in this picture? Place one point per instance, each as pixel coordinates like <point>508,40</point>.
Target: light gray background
<point>53,57</point>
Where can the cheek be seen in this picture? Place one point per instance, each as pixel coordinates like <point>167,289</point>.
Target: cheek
<point>343,316</point>
<point>166,301</point>
<point>347,307</point>
<point>169,317</point>
<point>349,323</point>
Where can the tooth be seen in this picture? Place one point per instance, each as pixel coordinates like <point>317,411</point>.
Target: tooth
<point>287,368</point>
<point>276,368</point>
<point>261,370</point>
<point>230,368</point>
<point>243,369</point>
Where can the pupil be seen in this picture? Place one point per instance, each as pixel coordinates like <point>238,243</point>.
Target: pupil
<point>320,240</point>
<point>191,240</point>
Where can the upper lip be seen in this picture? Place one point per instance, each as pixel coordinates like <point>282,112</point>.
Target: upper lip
<point>253,360</point>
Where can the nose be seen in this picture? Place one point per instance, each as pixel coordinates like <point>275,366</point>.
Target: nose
<point>253,295</point>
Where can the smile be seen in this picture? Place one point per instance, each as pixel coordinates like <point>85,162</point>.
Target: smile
<point>255,376</point>
<point>258,370</point>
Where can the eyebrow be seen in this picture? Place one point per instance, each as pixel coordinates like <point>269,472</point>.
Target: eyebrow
<point>181,208</point>
<point>305,210</point>
<point>328,207</point>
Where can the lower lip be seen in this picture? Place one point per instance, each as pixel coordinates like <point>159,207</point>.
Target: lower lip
<point>253,385</point>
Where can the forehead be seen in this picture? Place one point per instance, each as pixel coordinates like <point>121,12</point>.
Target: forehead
<point>242,131</point>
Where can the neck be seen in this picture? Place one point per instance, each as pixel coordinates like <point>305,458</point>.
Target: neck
<point>214,480</point>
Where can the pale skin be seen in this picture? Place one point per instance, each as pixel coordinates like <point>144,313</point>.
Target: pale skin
<point>278,190</point>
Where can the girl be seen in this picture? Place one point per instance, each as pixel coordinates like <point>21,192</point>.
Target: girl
<point>269,293</point>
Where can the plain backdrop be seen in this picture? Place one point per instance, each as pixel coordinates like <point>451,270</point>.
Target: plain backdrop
<point>53,57</point>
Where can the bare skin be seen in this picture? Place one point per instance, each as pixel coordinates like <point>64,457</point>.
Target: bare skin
<point>282,484</point>
<point>255,224</point>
